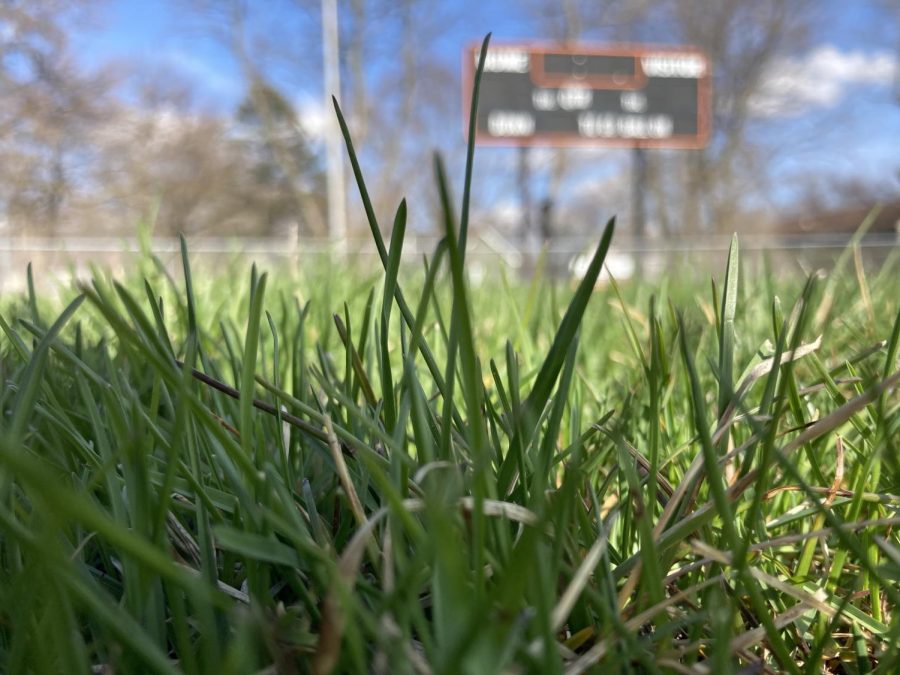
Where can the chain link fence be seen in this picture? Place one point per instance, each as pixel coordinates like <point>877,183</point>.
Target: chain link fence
<point>62,258</point>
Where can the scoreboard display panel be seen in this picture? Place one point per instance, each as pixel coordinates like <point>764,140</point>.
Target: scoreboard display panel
<point>620,96</point>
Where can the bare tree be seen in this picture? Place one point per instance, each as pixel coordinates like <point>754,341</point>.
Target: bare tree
<point>412,112</point>
<point>742,40</point>
<point>271,140</point>
<point>57,124</point>
<point>702,188</point>
<point>234,24</point>
<point>47,109</point>
<point>198,171</point>
<point>399,92</point>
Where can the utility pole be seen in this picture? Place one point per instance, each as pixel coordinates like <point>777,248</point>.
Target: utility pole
<point>337,215</point>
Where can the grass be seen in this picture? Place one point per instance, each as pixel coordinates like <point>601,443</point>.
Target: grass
<point>413,474</point>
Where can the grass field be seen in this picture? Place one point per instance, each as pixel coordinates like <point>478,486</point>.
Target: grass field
<point>407,473</point>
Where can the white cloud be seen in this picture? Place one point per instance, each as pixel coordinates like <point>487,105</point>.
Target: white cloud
<point>216,79</point>
<point>820,79</point>
<point>7,30</point>
<point>156,125</point>
<point>313,116</point>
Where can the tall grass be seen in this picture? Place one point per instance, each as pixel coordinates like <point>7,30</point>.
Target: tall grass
<point>414,474</point>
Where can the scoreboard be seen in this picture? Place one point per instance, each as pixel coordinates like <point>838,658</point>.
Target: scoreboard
<point>619,96</point>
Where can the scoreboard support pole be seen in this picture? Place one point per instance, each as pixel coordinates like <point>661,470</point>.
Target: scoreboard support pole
<point>639,175</point>
<point>523,178</point>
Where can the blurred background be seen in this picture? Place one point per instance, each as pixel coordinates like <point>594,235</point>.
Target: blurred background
<point>211,118</point>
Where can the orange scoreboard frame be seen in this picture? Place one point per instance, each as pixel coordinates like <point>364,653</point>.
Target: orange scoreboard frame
<point>590,95</point>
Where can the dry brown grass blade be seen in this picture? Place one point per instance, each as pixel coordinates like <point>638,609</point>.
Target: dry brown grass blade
<point>356,362</point>
<point>725,558</point>
<point>579,580</point>
<point>838,472</point>
<point>830,422</point>
<point>841,415</point>
<point>865,296</point>
<point>812,601</point>
<point>593,656</point>
<point>757,635</point>
<point>696,467</point>
<point>497,508</point>
<point>343,474</point>
<point>334,614</point>
<point>789,539</point>
<point>736,490</point>
<point>874,497</point>
<point>231,392</point>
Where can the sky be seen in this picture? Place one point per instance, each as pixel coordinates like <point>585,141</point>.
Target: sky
<point>838,100</point>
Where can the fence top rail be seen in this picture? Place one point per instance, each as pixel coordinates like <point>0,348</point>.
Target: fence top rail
<point>417,244</point>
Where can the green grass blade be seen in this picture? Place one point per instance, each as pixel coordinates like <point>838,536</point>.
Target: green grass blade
<point>553,362</point>
<point>470,150</point>
<point>31,378</point>
<point>727,334</point>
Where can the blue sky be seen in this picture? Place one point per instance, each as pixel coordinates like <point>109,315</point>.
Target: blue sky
<point>154,30</point>
<point>846,118</point>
